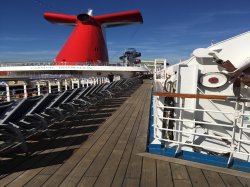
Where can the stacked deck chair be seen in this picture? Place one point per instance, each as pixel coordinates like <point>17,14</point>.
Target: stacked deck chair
<point>40,113</point>
<point>10,135</point>
<point>91,98</point>
<point>119,87</point>
<point>13,122</point>
<point>60,109</point>
<point>36,114</point>
<point>105,93</point>
<point>78,102</point>
<point>53,109</point>
<point>100,93</point>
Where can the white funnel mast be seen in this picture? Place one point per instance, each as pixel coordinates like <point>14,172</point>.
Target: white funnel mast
<point>90,12</point>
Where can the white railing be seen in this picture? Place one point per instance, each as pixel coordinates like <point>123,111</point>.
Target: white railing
<point>9,92</point>
<point>10,64</point>
<point>234,141</point>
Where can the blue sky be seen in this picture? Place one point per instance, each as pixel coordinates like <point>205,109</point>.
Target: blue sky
<point>172,29</point>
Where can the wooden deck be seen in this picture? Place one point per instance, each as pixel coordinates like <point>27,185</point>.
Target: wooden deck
<point>112,152</point>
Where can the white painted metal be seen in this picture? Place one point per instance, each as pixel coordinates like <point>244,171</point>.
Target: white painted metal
<point>157,121</point>
<point>78,83</point>
<point>11,68</point>
<point>58,85</point>
<point>212,142</point>
<point>213,125</point>
<point>49,86</point>
<point>66,84</point>
<point>38,88</point>
<point>7,92</point>
<point>235,49</point>
<point>25,95</point>
<point>83,83</point>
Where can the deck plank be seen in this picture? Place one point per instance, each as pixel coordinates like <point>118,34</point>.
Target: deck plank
<point>128,182</point>
<point>230,181</point>
<point>104,154</point>
<point>135,163</point>
<point>87,182</point>
<point>73,162</point>
<point>106,176</point>
<point>164,174</point>
<point>122,167</point>
<point>64,151</point>
<point>197,177</point>
<point>76,174</point>
<point>29,162</point>
<point>180,175</point>
<point>213,178</point>
<point>245,182</point>
<point>148,176</point>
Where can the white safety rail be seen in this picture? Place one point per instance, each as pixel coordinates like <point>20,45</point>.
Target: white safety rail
<point>233,144</point>
<point>160,69</point>
<point>38,87</point>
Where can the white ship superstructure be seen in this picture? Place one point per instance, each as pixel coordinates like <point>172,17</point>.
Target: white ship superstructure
<point>202,104</point>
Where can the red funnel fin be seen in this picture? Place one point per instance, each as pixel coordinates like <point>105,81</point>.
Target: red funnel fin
<point>117,19</point>
<point>60,18</point>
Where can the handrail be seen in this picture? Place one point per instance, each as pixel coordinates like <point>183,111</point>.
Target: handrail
<point>197,96</point>
<point>234,141</point>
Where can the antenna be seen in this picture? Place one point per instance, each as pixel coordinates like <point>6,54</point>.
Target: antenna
<point>90,12</point>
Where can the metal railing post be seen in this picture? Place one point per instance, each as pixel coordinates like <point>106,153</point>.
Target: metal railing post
<point>49,87</point>
<point>66,84</point>
<point>232,146</point>
<point>25,94</point>
<point>38,88</point>
<point>7,92</point>
<point>180,123</point>
<point>58,86</point>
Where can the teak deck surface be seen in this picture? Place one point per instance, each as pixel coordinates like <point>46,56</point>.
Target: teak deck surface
<point>100,149</point>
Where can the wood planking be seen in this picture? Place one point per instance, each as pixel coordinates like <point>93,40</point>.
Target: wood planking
<point>68,166</point>
<point>135,163</point>
<point>87,182</point>
<point>28,163</point>
<point>164,174</point>
<point>230,181</point>
<point>57,153</point>
<point>198,165</point>
<point>115,138</point>
<point>180,175</point>
<point>114,132</point>
<point>108,172</point>
<point>197,177</point>
<point>245,182</point>
<point>148,176</point>
<point>213,178</point>
<point>122,167</point>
